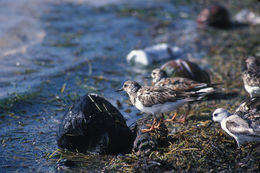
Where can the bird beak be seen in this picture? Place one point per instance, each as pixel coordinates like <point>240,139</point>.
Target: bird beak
<point>210,123</point>
<point>120,89</point>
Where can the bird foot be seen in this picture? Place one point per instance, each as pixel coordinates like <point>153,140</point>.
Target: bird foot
<point>172,118</point>
<point>152,127</point>
<point>147,130</point>
<point>169,120</point>
<point>181,120</point>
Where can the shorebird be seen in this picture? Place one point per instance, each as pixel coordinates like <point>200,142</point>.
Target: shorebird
<point>243,129</point>
<point>251,105</point>
<point>186,69</point>
<point>159,78</point>
<point>215,16</point>
<point>251,77</point>
<point>156,100</point>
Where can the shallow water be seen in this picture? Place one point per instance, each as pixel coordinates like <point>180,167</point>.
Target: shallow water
<point>77,47</point>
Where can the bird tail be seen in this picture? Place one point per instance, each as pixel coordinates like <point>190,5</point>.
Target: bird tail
<point>201,92</point>
<point>204,89</point>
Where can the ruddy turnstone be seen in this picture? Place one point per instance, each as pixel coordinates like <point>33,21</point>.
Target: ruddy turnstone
<point>251,105</point>
<point>185,68</point>
<point>243,129</point>
<point>155,99</point>
<point>180,84</point>
<point>251,77</point>
<point>159,78</point>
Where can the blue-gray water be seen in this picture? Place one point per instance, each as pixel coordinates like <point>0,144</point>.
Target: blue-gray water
<point>81,47</point>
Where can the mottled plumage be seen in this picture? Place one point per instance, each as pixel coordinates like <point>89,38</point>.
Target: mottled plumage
<point>180,84</point>
<point>251,105</point>
<point>251,77</point>
<point>243,129</point>
<point>176,83</point>
<point>150,96</point>
<point>156,99</point>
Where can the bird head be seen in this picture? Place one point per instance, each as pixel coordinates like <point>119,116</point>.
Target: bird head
<point>157,74</point>
<point>251,63</point>
<point>219,114</point>
<point>130,87</point>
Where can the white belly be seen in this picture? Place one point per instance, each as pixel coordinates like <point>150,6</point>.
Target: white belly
<point>253,90</point>
<point>160,108</point>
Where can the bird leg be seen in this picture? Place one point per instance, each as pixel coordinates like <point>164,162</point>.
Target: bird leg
<point>173,117</point>
<point>159,123</point>
<point>183,118</point>
<point>152,127</point>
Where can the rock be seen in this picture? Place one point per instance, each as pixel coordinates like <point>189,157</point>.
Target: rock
<point>152,54</point>
<point>248,17</point>
<point>145,143</point>
<point>94,125</point>
<point>65,164</point>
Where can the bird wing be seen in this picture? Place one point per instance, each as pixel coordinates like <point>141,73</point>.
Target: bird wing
<point>238,126</point>
<point>149,96</point>
<point>197,73</point>
<point>250,105</point>
<point>253,120</point>
<point>178,83</point>
<point>251,78</point>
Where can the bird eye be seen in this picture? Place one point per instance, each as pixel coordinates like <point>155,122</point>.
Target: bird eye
<point>215,115</point>
<point>125,85</point>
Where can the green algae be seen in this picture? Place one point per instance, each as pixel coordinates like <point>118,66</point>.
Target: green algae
<point>26,71</point>
<point>7,104</point>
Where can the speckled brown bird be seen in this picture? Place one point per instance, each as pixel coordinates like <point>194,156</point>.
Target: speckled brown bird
<point>159,78</point>
<point>156,99</point>
<point>251,77</point>
<point>180,84</point>
<point>250,105</point>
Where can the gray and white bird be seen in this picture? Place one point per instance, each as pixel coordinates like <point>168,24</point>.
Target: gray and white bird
<point>156,99</point>
<point>242,129</point>
<point>251,77</point>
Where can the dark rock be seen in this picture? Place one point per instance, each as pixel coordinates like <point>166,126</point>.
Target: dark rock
<point>145,143</point>
<point>65,164</point>
<point>94,125</point>
<point>146,164</point>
